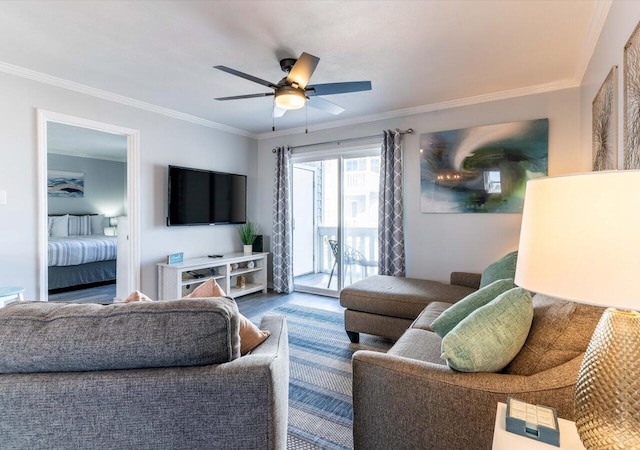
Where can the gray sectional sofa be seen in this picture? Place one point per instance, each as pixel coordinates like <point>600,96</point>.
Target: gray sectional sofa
<point>409,398</point>
<point>155,375</point>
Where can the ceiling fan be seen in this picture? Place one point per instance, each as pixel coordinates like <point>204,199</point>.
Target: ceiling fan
<point>293,91</point>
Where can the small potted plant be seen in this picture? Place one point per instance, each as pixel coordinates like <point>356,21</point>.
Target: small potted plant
<point>248,232</point>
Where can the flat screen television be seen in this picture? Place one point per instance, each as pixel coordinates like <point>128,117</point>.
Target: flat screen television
<point>203,197</point>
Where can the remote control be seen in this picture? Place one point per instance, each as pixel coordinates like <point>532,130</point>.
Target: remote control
<point>215,256</point>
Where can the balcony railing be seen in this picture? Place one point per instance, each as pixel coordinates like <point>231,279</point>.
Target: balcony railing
<point>362,239</point>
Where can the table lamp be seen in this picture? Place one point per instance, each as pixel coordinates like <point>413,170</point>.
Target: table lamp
<point>580,241</point>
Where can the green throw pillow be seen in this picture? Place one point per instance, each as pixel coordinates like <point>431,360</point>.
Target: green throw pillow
<point>453,315</point>
<point>491,336</point>
<point>500,270</point>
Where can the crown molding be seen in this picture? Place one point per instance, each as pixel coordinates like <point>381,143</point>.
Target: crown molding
<point>467,101</point>
<point>598,19</point>
<point>23,72</point>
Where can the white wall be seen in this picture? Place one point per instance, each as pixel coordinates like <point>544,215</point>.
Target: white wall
<point>163,141</point>
<point>622,19</point>
<point>437,244</point>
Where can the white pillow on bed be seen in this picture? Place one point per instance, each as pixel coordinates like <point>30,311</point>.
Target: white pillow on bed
<point>97,224</point>
<point>79,226</point>
<point>60,226</point>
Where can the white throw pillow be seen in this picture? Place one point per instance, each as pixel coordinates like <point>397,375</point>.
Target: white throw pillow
<point>60,226</point>
<point>97,224</point>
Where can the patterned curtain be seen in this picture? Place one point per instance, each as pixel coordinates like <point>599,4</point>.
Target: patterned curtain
<point>282,231</point>
<point>390,214</point>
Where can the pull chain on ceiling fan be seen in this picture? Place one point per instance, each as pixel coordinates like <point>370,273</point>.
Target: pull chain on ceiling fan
<point>294,91</point>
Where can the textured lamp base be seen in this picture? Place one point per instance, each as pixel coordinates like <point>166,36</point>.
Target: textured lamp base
<point>608,387</point>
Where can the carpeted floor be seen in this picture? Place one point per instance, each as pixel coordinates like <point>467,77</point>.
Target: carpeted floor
<point>320,408</point>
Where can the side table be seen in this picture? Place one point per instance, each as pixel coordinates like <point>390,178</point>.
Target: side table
<point>7,294</point>
<point>505,440</point>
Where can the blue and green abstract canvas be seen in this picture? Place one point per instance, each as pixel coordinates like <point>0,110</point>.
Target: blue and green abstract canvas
<point>482,169</point>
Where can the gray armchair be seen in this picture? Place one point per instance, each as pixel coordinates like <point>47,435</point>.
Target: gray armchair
<point>160,375</point>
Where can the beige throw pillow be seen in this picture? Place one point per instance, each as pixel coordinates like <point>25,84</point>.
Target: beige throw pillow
<point>209,288</point>
<point>250,335</point>
<point>136,296</point>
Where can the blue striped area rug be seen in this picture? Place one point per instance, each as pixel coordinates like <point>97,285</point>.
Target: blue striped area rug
<point>320,407</point>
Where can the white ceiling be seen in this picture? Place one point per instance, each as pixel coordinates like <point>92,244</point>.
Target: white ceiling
<point>416,53</point>
<point>70,140</point>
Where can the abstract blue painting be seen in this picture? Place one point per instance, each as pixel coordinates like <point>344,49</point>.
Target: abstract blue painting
<point>65,184</point>
<point>482,169</point>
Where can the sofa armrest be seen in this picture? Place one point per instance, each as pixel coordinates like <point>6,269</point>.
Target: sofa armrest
<point>403,403</point>
<point>467,279</point>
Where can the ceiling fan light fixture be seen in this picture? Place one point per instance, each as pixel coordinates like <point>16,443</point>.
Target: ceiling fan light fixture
<point>288,97</point>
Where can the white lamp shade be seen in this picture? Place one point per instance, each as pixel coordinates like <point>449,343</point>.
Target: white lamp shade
<point>580,238</point>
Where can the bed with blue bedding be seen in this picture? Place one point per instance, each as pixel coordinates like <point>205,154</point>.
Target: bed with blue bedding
<point>76,260</point>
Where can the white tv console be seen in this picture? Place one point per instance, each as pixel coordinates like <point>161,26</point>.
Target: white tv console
<point>177,280</point>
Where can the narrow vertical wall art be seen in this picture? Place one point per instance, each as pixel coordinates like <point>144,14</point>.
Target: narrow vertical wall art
<point>632,101</point>
<point>605,124</point>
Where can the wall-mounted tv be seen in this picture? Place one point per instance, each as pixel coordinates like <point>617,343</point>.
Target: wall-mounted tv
<point>203,197</point>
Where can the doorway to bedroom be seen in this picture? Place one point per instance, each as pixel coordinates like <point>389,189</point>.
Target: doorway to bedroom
<point>86,196</point>
<point>88,250</point>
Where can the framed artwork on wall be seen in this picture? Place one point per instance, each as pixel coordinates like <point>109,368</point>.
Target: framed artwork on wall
<point>632,101</point>
<point>605,124</point>
<point>482,169</point>
<point>65,184</point>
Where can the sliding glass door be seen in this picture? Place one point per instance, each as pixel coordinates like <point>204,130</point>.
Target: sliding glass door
<point>360,186</point>
<point>335,207</point>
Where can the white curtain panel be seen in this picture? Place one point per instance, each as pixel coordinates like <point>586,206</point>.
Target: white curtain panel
<point>282,230</point>
<point>391,260</point>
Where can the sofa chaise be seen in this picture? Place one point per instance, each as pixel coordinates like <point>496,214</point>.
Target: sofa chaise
<point>156,375</point>
<point>386,306</point>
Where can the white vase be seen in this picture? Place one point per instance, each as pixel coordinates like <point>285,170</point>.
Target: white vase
<point>248,249</point>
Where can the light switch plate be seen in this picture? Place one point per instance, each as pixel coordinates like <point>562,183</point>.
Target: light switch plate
<point>3,197</point>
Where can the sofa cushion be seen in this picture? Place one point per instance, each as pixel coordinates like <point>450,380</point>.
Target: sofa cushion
<point>429,314</point>
<point>420,345</point>
<point>58,337</point>
<point>491,336</point>
<point>560,331</point>
<point>458,311</point>
<point>502,269</point>
<point>397,296</point>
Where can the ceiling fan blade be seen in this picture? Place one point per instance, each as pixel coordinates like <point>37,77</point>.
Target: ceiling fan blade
<point>324,105</point>
<point>239,97</point>
<point>246,76</point>
<point>302,70</point>
<point>338,88</point>
<point>278,112</point>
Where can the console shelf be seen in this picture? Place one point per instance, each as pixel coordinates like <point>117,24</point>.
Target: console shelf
<point>177,280</point>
